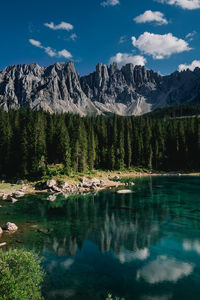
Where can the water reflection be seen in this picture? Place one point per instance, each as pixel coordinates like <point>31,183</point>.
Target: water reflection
<point>164,269</point>
<point>144,244</point>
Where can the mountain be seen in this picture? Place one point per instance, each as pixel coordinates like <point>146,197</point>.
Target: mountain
<point>131,90</point>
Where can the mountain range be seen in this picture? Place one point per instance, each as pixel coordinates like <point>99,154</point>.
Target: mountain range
<point>131,90</point>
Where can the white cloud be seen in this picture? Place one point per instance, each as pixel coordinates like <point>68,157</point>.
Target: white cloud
<point>73,36</point>
<point>160,46</point>
<point>51,52</point>
<point>61,26</point>
<point>164,269</point>
<point>185,4</point>
<point>35,43</point>
<point>151,16</point>
<point>192,66</point>
<point>123,39</point>
<point>190,36</point>
<point>110,3</point>
<point>126,256</point>
<point>125,58</point>
<point>64,53</point>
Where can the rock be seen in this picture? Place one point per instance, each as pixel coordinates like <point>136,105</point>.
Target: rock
<point>23,188</point>
<point>56,189</point>
<point>102,183</point>
<point>51,183</point>
<point>51,197</point>
<point>12,200</point>
<point>63,185</point>
<point>65,195</point>
<point>11,227</point>
<point>96,181</point>
<point>131,183</point>
<point>3,244</point>
<point>124,192</point>
<point>1,230</point>
<point>40,186</point>
<point>116,178</point>
<point>4,196</point>
<point>20,182</point>
<point>18,194</point>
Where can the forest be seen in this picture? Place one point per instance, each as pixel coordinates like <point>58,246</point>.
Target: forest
<point>30,141</point>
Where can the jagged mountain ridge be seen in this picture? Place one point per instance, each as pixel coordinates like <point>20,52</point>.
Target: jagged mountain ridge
<point>131,90</point>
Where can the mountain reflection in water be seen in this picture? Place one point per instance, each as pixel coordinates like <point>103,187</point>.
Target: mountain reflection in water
<point>144,245</point>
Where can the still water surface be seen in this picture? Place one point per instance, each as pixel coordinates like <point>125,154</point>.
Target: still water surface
<point>144,245</point>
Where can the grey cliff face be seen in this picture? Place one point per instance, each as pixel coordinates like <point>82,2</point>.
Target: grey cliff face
<point>129,91</point>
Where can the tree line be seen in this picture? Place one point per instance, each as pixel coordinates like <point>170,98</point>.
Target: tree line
<point>32,140</point>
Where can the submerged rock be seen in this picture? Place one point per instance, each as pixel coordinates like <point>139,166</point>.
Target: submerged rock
<point>51,198</point>
<point>12,200</point>
<point>124,192</point>
<point>11,226</point>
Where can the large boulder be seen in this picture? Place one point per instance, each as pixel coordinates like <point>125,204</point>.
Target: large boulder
<point>11,226</point>
<point>50,183</point>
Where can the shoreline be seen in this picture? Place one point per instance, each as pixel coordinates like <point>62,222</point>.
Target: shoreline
<point>98,180</point>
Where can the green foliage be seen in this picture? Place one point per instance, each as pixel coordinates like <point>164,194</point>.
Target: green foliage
<point>20,275</point>
<point>32,140</point>
<point>115,298</point>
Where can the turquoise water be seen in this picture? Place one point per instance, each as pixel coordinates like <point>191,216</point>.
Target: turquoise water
<point>144,245</point>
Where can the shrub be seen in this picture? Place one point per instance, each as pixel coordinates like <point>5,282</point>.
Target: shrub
<point>115,298</point>
<point>21,275</point>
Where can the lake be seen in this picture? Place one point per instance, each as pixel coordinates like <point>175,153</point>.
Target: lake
<point>144,245</point>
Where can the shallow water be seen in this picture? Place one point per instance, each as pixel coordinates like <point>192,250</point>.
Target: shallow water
<point>144,245</point>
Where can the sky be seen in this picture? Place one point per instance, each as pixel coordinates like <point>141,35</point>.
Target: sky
<point>163,35</point>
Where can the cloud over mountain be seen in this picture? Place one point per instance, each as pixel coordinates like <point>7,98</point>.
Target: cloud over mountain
<point>192,66</point>
<point>125,58</point>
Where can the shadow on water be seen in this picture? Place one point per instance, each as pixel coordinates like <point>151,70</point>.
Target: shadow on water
<point>144,245</point>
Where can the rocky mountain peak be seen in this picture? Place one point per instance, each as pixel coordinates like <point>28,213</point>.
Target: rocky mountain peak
<point>131,90</point>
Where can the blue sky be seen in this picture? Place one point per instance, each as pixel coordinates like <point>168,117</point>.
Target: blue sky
<point>162,34</point>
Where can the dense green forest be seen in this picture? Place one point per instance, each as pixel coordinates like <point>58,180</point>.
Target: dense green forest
<point>31,140</point>
<point>183,110</point>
